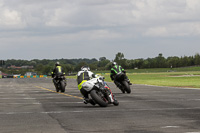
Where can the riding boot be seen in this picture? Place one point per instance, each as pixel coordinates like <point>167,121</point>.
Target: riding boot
<point>85,96</point>
<point>110,99</point>
<point>92,102</point>
<point>129,82</point>
<point>86,100</point>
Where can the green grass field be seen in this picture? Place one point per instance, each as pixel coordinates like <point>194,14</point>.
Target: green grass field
<point>176,77</point>
<point>158,70</point>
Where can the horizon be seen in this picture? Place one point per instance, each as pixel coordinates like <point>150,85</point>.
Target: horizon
<point>103,56</point>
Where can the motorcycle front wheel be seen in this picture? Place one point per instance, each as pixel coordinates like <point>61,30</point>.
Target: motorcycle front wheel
<point>98,98</point>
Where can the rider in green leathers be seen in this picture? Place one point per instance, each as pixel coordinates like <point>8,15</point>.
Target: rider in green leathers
<point>116,69</point>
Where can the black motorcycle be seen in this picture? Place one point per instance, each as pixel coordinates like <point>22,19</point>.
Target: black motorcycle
<point>100,92</point>
<point>60,83</point>
<point>122,82</point>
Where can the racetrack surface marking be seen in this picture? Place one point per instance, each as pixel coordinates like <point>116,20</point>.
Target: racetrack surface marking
<point>103,110</point>
<point>187,88</point>
<point>193,132</point>
<point>170,127</point>
<point>59,92</point>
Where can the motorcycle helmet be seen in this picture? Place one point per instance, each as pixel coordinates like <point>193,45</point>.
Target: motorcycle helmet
<point>114,63</point>
<point>57,63</point>
<point>85,68</point>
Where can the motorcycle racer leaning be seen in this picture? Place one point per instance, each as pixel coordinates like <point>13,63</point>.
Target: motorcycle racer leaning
<point>115,69</point>
<point>84,75</point>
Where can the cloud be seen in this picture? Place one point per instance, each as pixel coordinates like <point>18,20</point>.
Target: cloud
<point>167,17</point>
<point>119,24</point>
<point>10,19</point>
<point>100,14</point>
<point>182,29</point>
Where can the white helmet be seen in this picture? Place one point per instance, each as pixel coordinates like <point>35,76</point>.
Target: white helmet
<point>114,63</point>
<point>85,68</point>
<point>57,64</point>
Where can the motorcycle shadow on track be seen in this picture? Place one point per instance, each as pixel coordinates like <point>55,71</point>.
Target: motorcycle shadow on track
<point>96,106</point>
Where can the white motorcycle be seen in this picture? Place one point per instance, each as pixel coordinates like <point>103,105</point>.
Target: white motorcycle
<point>100,92</point>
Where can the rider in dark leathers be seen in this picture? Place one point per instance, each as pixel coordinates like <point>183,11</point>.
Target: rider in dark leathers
<point>57,71</point>
<point>115,69</point>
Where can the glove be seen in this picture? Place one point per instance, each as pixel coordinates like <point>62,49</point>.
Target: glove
<point>102,78</point>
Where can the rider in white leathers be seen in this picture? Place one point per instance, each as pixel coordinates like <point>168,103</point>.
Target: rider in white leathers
<point>85,75</point>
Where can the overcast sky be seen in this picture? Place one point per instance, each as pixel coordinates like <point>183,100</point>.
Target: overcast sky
<point>54,29</point>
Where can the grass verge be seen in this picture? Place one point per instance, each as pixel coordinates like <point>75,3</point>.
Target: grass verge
<point>173,79</point>
<point>180,77</point>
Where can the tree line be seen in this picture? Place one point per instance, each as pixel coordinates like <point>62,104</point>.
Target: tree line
<point>45,66</point>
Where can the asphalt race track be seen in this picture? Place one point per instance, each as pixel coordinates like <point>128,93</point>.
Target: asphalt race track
<point>33,106</point>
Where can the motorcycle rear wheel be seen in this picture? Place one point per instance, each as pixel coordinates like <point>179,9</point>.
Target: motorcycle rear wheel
<point>62,86</point>
<point>126,87</point>
<point>98,99</point>
<point>57,87</point>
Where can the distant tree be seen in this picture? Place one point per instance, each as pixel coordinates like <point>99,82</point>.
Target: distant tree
<point>131,64</point>
<point>184,61</point>
<point>102,58</point>
<point>93,66</point>
<point>78,66</point>
<point>40,69</point>
<point>44,66</point>
<point>139,63</point>
<point>47,69</point>
<point>173,62</point>
<point>68,68</point>
<point>146,64</point>
<point>160,61</point>
<point>102,63</point>
<point>108,66</point>
<point>119,56</point>
<point>197,59</point>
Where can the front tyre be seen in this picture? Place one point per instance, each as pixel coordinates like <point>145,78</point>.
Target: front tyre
<point>98,99</point>
<point>126,87</point>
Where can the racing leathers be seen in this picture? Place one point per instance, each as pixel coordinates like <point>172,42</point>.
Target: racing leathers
<point>116,69</point>
<point>82,77</point>
<point>57,71</point>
